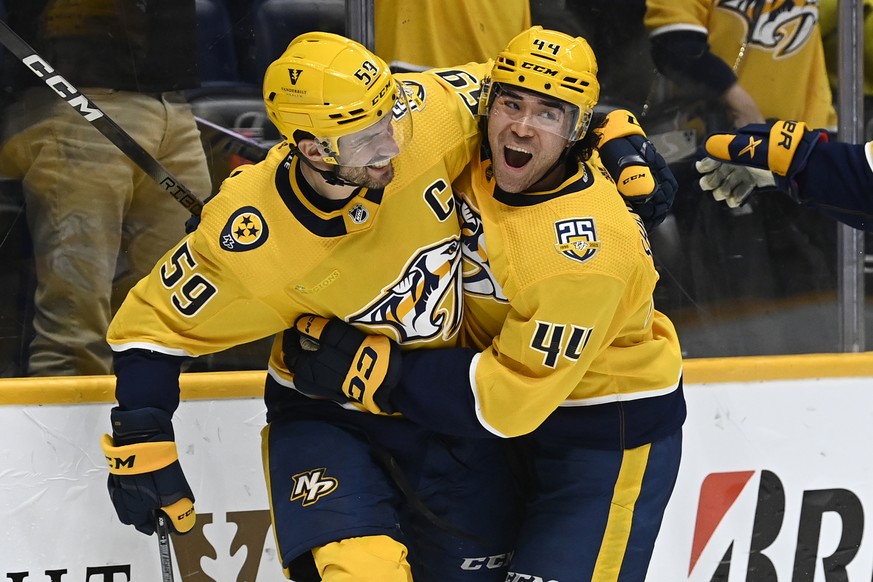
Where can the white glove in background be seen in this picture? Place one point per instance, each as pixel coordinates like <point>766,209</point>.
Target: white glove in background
<point>730,182</point>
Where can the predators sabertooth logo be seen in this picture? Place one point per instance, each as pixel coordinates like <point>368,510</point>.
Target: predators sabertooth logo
<point>425,301</point>
<point>783,26</point>
<point>477,275</point>
<point>577,239</point>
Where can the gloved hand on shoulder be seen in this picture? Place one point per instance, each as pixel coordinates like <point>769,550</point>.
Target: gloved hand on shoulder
<point>641,174</point>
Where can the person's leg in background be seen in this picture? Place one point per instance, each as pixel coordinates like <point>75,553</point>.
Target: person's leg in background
<point>76,185</point>
<point>155,221</point>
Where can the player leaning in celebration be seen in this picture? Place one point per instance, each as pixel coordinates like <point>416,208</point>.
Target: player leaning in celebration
<point>570,354</point>
<point>350,218</point>
<point>833,177</point>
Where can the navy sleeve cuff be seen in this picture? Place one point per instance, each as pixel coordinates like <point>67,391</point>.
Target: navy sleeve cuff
<point>435,392</point>
<point>838,181</point>
<point>146,379</point>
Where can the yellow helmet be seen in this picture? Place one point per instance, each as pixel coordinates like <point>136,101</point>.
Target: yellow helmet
<point>328,86</point>
<point>552,63</point>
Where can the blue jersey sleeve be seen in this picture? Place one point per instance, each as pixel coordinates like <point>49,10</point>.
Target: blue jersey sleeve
<point>146,379</point>
<point>435,391</point>
<point>838,181</point>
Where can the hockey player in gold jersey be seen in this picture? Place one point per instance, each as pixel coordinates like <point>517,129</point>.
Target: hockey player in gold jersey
<point>567,352</point>
<point>348,217</point>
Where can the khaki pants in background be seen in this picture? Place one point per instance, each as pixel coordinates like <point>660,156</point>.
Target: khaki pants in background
<point>98,223</point>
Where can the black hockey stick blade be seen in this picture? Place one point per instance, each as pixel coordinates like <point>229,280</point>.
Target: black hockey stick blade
<point>96,117</point>
<point>163,531</point>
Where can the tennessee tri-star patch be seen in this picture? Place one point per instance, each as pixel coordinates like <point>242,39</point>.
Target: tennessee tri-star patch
<point>245,230</point>
<point>577,238</point>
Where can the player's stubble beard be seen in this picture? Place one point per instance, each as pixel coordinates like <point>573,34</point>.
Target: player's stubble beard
<point>542,171</point>
<point>374,179</point>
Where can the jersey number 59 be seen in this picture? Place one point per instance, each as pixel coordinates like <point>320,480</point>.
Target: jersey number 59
<point>191,291</point>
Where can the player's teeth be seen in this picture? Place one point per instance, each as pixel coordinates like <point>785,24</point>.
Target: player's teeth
<point>522,150</point>
<point>380,164</point>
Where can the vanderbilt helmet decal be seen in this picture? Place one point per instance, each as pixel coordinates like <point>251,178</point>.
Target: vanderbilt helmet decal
<point>425,301</point>
<point>577,239</point>
<point>245,230</point>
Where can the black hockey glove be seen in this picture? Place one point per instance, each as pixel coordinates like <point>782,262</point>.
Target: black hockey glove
<point>759,156</point>
<point>334,360</point>
<point>144,471</point>
<point>641,174</point>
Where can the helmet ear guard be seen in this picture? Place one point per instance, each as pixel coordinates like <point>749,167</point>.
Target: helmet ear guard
<point>551,63</point>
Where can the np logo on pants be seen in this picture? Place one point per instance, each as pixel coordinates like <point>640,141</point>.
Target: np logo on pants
<point>312,486</point>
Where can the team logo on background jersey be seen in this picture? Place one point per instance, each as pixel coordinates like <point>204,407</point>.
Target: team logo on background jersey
<point>245,230</point>
<point>425,301</point>
<point>782,26</point>
<point>577,239</point>
<point>415,98</point>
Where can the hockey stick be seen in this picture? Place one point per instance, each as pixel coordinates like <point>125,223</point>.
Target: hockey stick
<point>230,142</point>
<point>95,116</point>
<point>163,531</point>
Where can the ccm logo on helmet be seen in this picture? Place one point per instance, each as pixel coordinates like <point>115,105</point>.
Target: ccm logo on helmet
<point>538,68</point>
<point>381,94</point>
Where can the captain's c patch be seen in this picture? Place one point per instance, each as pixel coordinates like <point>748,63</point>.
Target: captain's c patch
<point>245,230</point>
<point>577,238</point>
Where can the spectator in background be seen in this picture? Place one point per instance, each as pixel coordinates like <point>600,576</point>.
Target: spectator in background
<point>439,33</point>
<point>735,62</point>
<point>761,59</point>
<point>97,222</point>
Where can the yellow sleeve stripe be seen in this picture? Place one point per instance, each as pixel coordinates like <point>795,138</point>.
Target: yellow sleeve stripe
<point>138,458</point>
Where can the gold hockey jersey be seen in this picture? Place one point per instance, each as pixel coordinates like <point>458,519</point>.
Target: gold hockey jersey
<point>266,250</point>
<point>558,298</point>
<point>783,65</point>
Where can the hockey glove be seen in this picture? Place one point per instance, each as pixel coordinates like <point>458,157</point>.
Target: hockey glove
<point>144,471</point>
<point>732,183</point>
<point>342,363</point>
<point>641,174</point>
<point>781,148</point>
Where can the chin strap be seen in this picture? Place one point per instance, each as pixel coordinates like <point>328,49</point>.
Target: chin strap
<point>331,177</point>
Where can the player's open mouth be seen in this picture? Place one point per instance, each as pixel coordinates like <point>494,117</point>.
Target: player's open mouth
<point>516,157</point>
<point>380,165</point>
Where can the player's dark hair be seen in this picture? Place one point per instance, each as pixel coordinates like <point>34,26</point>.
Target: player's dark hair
<point>583,148</point>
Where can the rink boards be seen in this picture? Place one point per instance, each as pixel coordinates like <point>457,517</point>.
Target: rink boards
<point>776,480</point>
